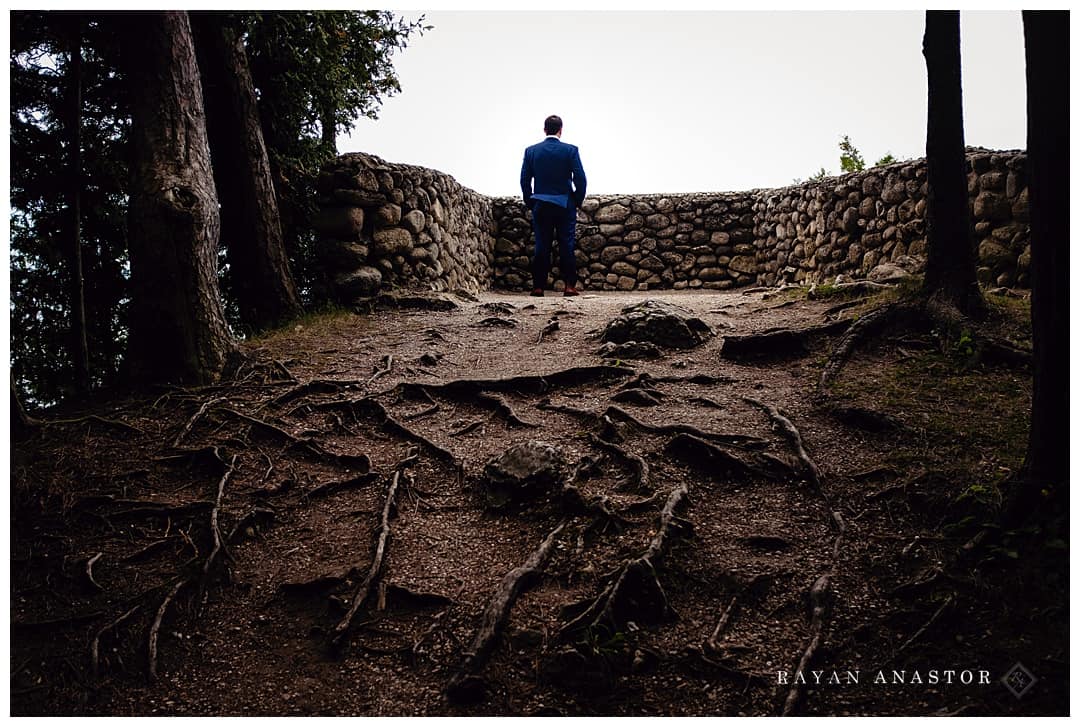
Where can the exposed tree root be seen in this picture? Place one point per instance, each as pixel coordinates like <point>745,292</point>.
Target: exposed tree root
<point>56,624</point>
<point>331,488</point>
<point>284,370</point>
<point>867,420</point>
<point>378,563</point>
<point>930,622</point>
<point>868,325</point>
<point>718,462</point>
<point>712,644</point>
<point>496,322</point>
<point>155,627</point>
<point>191,422</point>
<point>466,685</point>
<point>551,327</point>
<point>738,440</point>
<point>369,405</point>
<point>315,386</point>
<point>778,342</point>
<point>503,408</point>
<point>639,468</point>
<point>251,519</point>
<point>388,366</point>
<point>634,592</point>
<point>638,397</point>
<point>599,507</point>
<point>793,437</point>
<point>996,350</point>
<point>841,307</point>
<point>95,643</point>
<point>159,510</point>
<point>920,312</point>
<point>855,287</point>
<point>699,379</point>
<point>315,586</point>
<point>265,426</point>
<point>403,597</point>
<point>370,408</point>
<point>150,550</point>
<point>215,531</point>
<point>620,414</point>
<point>820,602</point>
<point>95,419</point>
<point>534,384</point>
<point>585,414</point>
<point>422,413</point>
<point>88,572</point>
<point>202,457</point>
<point>465,429</point>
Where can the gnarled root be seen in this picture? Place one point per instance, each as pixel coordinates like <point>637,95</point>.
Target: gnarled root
<point>635,593</point>
<point>820,603</point>
<point>466,685</point>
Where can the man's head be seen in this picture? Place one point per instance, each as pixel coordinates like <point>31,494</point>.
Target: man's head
<point>553,126</point>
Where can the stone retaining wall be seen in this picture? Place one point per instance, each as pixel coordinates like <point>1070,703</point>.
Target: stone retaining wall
<point>383,224</point>
<point>413,226</point>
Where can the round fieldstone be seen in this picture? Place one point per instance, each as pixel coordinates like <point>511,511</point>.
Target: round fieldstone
<point>363,282</point>
<point>888,272</point>
<point>392,241</point>
<point>612,253</point>
<point>653,321</point>
<point>414,221</point>
<point>343,223</point>
<point>342,255</point>
<point>523,472</point>
<point>612,213</point>
<point>387,215</point>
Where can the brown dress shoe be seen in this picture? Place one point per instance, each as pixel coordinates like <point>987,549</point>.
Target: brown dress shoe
<point>537,293</point>
<point>570,291</point>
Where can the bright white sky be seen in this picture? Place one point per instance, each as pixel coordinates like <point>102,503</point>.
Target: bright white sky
<point>688,101</point>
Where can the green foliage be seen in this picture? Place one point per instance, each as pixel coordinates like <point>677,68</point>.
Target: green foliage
<point>965,345</point>
<point>40,273</point>
<point>599,643</point>
<point>850,158</point>
<point>317,72</point>
<point>313,71</point>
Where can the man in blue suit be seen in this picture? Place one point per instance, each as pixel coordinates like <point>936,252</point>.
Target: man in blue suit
<point>553,187</point>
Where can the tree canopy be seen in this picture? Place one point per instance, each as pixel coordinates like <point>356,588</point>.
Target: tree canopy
<point>315,73</point>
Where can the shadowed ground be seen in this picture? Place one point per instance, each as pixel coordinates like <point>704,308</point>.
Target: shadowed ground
<point>312,537</point>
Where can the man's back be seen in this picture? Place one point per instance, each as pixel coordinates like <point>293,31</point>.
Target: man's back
<point>552,172</point>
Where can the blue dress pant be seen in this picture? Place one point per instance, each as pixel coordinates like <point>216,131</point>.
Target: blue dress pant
<point>552,222</point>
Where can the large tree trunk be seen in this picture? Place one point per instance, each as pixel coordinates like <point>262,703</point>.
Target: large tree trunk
<point>178,331</point>
<point>950,263</point>
<point>250,225</point>
<point>329,128</point>
<point>78,349</point>
<point>1046,468</point>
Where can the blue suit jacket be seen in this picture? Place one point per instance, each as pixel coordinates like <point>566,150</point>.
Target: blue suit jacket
<point>552,172</point>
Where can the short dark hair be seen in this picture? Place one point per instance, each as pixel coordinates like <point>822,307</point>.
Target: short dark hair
<point>552,125</point>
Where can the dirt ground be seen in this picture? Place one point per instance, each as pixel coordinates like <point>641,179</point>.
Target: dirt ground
<point>191,552</point>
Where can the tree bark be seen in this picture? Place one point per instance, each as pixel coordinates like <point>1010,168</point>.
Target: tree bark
<point>79,351</point>
<point>261,281</point>
<point>329,129</point>
<point>1046,467</point>
<point>178,332</point>
<point>950,259</point>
